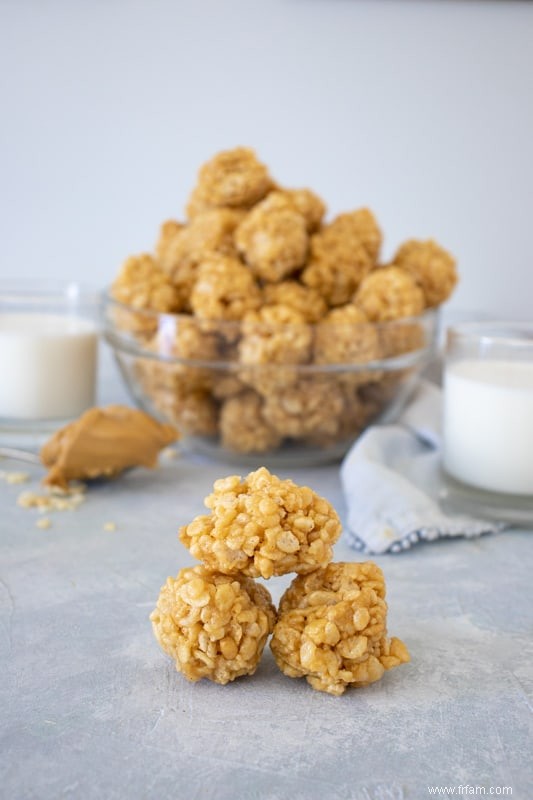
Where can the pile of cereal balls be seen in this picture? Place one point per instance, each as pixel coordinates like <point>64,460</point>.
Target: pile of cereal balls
<point>214,619</point>
<point>263,283</point>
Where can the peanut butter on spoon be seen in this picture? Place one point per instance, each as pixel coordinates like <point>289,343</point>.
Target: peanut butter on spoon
<point>102,443</point>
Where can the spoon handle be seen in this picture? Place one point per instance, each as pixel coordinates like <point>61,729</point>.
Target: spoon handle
<point>20,455</point>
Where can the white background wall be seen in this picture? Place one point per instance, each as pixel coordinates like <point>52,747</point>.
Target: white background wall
<point>421,110</point>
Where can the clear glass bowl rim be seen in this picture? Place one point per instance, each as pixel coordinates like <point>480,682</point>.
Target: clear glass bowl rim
<point>125,342</point>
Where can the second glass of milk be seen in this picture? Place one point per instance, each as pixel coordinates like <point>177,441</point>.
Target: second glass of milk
<point>48,354</point>
<point>488,407</point>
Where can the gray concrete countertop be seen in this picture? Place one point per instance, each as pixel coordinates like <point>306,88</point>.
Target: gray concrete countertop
<point>93,710</point>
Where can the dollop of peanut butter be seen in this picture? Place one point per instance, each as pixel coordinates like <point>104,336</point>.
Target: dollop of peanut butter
<point>102,443</point>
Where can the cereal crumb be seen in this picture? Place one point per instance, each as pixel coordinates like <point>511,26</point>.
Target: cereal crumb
<point>53,500</point>
<point>110,526</point>
<point>43,523</point>
<point>14,477</point>
<point>170,453</point>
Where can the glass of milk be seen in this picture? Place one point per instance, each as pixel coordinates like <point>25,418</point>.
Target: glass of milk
<point>48,353</point>
<point>488,409</point>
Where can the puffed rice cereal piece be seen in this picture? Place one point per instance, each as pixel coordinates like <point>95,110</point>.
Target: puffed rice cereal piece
<point>214,626</point>
<point>263,526</point>
<point>273,242</point>
<point>303,299</point>
<point>143,285</point>
<point>432,266</point>
<point>225,289</point>
<point>242,427</point>
<point>233,178</point>
<point>342,253</point>
<point>389,293</point>
<point>308,407</point>
<point>331,628</point>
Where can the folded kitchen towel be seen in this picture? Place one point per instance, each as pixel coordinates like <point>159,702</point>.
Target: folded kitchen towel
<point>393,484</point>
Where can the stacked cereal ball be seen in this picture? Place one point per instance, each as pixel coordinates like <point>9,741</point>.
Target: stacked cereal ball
<point>214,619</point>
<point>262,285</point>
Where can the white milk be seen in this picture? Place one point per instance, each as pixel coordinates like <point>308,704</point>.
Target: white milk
<point>488,424</point>
<point>47,366</point>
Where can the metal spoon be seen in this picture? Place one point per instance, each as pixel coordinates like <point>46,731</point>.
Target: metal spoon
<point>20,455</point>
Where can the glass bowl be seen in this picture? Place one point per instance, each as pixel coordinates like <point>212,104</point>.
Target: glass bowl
<point>285,395</point>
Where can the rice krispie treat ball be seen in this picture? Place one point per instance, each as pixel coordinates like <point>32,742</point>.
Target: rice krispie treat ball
<point>304,201</point>
<point>275,335</point>
<point>167,234</point>
<point>342,253</point>
<point>194,412</point>
<point>274,340</point>
<point>331,628</point>
<point>304,300</point>
<point>308,407</point>
<point>181,393</point>
<point>389,293</point>
<point>233,178</point>
<point>273,242</point>
<point>432,267</point>
<point>225,289</point>
<point>350,422</point>
<point>188,337</point>
<point>142,284</point>
<point>345,336</point>
<point>242,427</point>
<point>263,526</point>
<point>214,626</point>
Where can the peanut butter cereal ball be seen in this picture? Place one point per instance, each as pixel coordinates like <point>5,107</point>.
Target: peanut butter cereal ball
<point>363,225</point>
<point>273,242</point>
<point>331,628</point>
<point>189,338</point>
<point>389,293</point>
<point>225,289</point>
<point>304,201</point>
<point>402,336</point>
<point>345,336</point>
<point>351,421</point>
<point>302,299</point>
<point>180,393</point>
<point>181,248</point>
<point>214,626</point>
<point>194,412</point>
<point>263,526</point>
<point>309,407</point>
<point>275,335</point>
<point>233,178</point>
<point>432,267</point>
<point>342,253</point>
<point>178,261</point>
<point>167,233</point>
<point>274,339</point>
<point>142,284</point>
<point>242,427</point>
